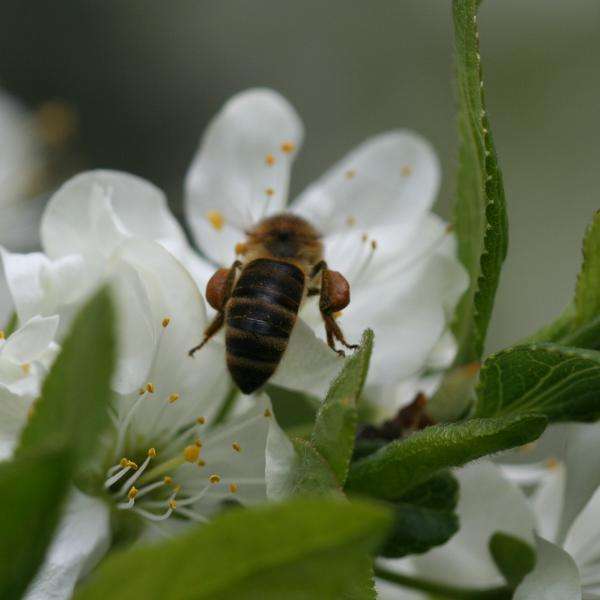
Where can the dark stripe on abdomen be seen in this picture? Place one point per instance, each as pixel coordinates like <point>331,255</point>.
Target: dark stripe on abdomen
<point>259,318</point>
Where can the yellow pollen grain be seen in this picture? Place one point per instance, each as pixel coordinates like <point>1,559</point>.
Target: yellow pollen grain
<point>2,335</point>
<point>133,492</point>
<point>236,447</point>
<point>141,391</point>
<point>173,398</point>
<point>150,388</point>
<point>168,480</point>
<point>191,453</point>
<point>269,160</point>
<point>26,368</point>
<point>201,463</point>
<point>267,413</point>
<point>214,479</point>
<point>241,248</point>
<point>364,237</point>
<point>172,504</point>
<point>200,420</point>
<point>269,192</point>
<point>338,314</point>
<point>198,443</point>
<point>350,220</point>
<point>527,447</point>
<point>406,170</point>
<point>233,488</point>
<point>166,321</point>
<point>350,174</point>
<point>152,452</point>
<point>374,244</point>
<point>552,463</point>
<point>216,219</point>
<point>288,147</point>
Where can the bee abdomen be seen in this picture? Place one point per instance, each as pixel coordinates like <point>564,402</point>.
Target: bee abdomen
<point>260,317</point>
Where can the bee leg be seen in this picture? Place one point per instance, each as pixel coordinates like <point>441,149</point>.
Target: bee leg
<point>335,295</point>
<point>218,291</point>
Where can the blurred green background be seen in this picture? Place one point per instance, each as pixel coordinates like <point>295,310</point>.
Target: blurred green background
<point>145,77</point>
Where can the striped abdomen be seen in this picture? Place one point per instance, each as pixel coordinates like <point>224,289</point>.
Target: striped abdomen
<point>259,318</point>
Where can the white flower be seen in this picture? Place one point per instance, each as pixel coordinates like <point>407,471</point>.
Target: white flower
<point>162,457</point>
<point>373,209</point>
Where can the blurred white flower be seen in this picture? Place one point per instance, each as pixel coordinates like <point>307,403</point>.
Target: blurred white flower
<point>163,456</point>
<point>374,211</point>
<point>561,519</point>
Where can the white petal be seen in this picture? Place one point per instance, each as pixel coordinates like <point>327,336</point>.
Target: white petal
<point>373,184</point>
<point>28,343</point>
<point>583,470</point>
<point>80,219</point>
<point>583,539</point>
<point>487,504</point>
<point>281,463</point>
<point>308,364</point>
<point>82,539</point>
<point>168,292</point>
<point>548,502</point>
<point>555,576</point>
<point>230,174</point>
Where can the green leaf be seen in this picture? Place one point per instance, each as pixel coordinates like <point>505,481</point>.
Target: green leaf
<point>560,383</point>
<point>439,493</point>
<point>401,465</point>
<point>33,489</point>
<point>480,212</point>
<point>417,529</point>
<point>306,548</point>
<point>587,291</point>
<point>57,439</point>
<point>586,336</point>
<point>72,408</point>
<point>513,557</point>
<point>335,427</point>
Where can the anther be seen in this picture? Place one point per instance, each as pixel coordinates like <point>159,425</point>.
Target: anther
<point>350,221</point>
<point>214,479</point>
<point>141,391</point>
<point>269,192</point>
<point>233,488</point>
<point>406,170</point>
<point>364,237</point>
<point>198,444</point>
<point>350,174</point>
<point>552,463</point>
<point>216,219</point>
<point>267,413</point>
<point>168,480</point>
<point>152,452</point>
<point>133,492</point>
<point>150,388</point>
<point>201,463</point>
<point>236,447</point>
<point>200,420</point>
<point>191,453</point>
<point>172,504</point>
<point>270,160</point>
<point>173,398</point>
<point>26,368</point>
<point>287,147</point>
<point>374,244</point>
<point>166,321</point>
<point>2,336</point>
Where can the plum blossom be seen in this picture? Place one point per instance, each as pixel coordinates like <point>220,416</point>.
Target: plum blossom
<point>164,455</point>
<point>373,209</point>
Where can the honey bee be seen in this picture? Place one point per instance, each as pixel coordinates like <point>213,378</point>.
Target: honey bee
<point>258,299</point>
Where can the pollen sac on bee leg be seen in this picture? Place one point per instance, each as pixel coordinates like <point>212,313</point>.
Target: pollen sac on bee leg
<point>216,289</point>
<point>337,291</point>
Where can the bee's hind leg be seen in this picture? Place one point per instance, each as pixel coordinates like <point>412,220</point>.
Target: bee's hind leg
<point>334,296</point>
<point>218,291</point>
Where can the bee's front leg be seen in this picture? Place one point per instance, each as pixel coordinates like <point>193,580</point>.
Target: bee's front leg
<point>218,292</point>
<point>334,296</point>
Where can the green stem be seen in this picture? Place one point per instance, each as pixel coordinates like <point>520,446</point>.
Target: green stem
<point>448,592</point>
<point>227,406</point>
